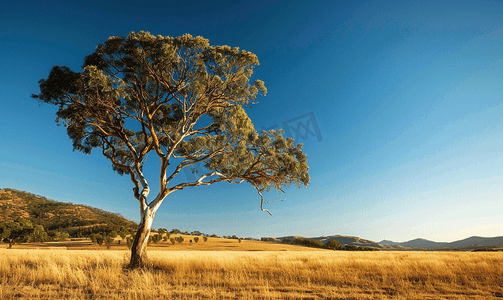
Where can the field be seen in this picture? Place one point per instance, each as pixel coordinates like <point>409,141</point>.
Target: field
<point>52,273</point>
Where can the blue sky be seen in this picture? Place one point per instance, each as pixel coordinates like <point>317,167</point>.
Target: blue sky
<point>406,96</point>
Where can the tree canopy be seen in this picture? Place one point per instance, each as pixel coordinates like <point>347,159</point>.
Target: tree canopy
<point>22,230</point>
<point>180,98</point>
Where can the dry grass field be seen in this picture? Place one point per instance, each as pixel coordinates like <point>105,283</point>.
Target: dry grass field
<point>51,273</point>
<point>212,244</point>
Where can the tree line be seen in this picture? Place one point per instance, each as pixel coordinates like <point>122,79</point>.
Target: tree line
<point>24,230</point>
<point>331,244</point>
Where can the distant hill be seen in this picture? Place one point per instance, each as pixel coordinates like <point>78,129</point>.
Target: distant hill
<point>389,243</point>
<point>54,215</point>
<point>344,240</point>
<point>477,240</point>
<point>467,244</point>
<point>422,243</point>
<point>427,244</point>
<point>350,240</point>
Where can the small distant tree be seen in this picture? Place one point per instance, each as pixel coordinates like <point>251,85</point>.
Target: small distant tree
<point>61,236</point>
<point>15,231</point>
<point>172,240</point>
<point>123,233</point>
<point>64,236</point>
<point>92,236</point>
<point>96,237</point>
<point>196,239</point>
<point>156,238</point>
<point>39,235</point>
<point>239,240</point>
<point>179,239</point>
<point>333,244</point>
<point>165,238</point>
<point>113,234</point>
<point>175,231</point>
<point>183,100</point>
<point>108,241</point>
<point>205,238</point>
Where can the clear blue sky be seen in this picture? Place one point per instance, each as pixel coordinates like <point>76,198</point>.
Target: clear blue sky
<point>406,96</point>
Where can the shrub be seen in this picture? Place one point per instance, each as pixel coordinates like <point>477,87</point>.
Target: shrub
<point>38,234</point>
<point>97,238</point>
<point>62,236</point>
<point>172,240</point>
<point>156,238</point>
<point>93,237</point>
<point>100,239</point>
<point>205,238</point>
<point>196,239</point>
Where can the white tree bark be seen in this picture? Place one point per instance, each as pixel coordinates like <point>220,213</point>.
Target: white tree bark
<point>139,248</point>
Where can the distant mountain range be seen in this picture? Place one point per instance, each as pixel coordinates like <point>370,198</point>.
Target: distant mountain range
<point>427,244</point>
<point>54,215</point>
<point>474,242</point>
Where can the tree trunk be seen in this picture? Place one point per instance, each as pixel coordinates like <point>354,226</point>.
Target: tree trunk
<point>139,248</point>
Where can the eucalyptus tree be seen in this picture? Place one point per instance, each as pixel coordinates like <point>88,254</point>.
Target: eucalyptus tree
<point>181,99</point>
<point>18,230</point>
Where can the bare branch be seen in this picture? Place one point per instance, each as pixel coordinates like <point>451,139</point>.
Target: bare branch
<point>262,201</point>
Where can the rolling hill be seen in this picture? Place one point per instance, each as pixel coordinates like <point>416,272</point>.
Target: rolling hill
<point>469,244</point>
<point>54,215</point>
<point>344,240</point>
<point>427,244</point>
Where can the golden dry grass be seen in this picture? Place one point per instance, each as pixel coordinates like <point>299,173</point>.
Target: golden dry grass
<point>85,274</point>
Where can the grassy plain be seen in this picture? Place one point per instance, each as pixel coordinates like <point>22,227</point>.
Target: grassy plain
<point>247,273</point>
